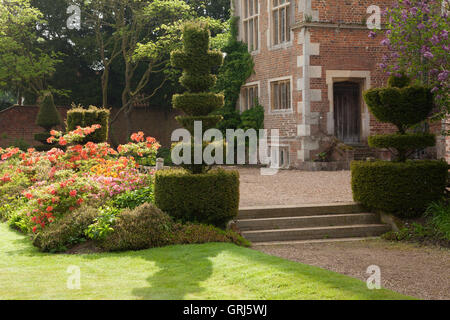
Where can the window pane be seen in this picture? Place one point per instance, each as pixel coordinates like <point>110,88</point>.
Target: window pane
<point>283,96</point>
<point>245,8</point>
<point>245,99</point>
<point>250,35</point>
<point>288,24</point>
<point>256,34</point>
<point>256,6</point>
<point>283,25</point>
<point>275,96</point>
<point>250,7</point>
<point>275,27</point>
<point>288,95</point>
<point>246,32</point>
<point>275,3</point>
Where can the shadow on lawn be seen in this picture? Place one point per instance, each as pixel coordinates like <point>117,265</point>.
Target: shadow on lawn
<point>179,270</point>
<point>180,275</point>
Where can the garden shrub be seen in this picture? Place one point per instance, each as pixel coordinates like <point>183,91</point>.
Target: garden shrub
<point>47,118</point>
<point>135,198</point>
<point>439,215</point>
<point>399,81</point>
<point>403,142</point>
<point>80,117</point>
<point>403,189</point>
<point>199,234</point>
<point>103,224</point>
<point>48,115</point>
<point>166,154</point>
<point>403,107</point>
<point>66,232</point>
<point>142,228</point>
<point>237,68</point>
<point>211,198</point>
<point>198,103</point>
<point>253,118</point>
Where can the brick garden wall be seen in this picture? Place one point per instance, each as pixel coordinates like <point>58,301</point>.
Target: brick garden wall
<point>19,123</point>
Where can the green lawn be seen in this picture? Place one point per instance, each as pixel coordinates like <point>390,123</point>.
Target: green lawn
<point>213,271</point>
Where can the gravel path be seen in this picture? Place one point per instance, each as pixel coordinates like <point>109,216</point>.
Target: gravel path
<point>413,270</point>
<point>291,187</point>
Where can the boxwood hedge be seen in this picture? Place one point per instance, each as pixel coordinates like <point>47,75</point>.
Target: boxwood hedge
<point>402,189</point>
<point>211,198</point>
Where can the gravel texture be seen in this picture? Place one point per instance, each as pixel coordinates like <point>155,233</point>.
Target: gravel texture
<point>410,269</point>
<point>290,187</point>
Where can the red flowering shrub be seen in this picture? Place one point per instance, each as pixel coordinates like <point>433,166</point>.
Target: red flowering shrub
<point>53,184</point>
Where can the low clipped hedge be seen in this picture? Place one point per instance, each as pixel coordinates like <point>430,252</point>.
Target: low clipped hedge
<point>211,198</point>
<point>403,141</point>
<point>402,189</point>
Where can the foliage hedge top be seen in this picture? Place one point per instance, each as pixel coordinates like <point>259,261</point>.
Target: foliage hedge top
<point>79,116</point>
<point>403,107</point>
<point>48,116</point>
<point>404,189</point>
<point>403,141</point>
<point>196,59</point>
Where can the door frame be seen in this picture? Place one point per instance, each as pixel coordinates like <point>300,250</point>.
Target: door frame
<point>361,77</point>
<point>356,88</point>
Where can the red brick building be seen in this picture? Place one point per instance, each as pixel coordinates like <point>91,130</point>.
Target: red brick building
<point>313,59</point>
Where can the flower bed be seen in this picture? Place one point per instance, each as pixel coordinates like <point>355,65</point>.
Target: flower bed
<point>81,192</point>
<point>45,186</point>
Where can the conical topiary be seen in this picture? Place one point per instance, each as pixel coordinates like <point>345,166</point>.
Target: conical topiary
<point>48,117</point>
<point>198,102</point>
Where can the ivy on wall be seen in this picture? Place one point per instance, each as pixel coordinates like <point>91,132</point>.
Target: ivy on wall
<point>237,68</point>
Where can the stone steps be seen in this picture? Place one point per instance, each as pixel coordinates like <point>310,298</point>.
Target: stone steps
<point>308,222</point>
<point>298,211</point>
<point>282,224</point>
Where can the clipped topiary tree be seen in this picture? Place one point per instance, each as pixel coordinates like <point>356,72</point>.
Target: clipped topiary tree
<point>198,194</point>
<point>48,117</point>
<point>403,188</point>
<point>198,102</point>
<point>78,116</point>
<point>403,106</point>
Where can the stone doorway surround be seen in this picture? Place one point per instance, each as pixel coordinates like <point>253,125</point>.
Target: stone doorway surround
<point>362,77</point>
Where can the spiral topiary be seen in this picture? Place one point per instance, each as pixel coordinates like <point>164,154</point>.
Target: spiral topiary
<point>198,102</point>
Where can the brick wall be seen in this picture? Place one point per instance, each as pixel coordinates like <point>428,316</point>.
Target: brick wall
<point>19,123</point>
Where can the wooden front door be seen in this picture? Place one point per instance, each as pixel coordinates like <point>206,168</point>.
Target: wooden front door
<point>347,112</point>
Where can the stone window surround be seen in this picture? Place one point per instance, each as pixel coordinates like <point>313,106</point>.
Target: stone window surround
<point>364,78</point>
<point>280,111</point>
<point>241,25</point>
<point>282,45</point>
<point>250,84</point>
